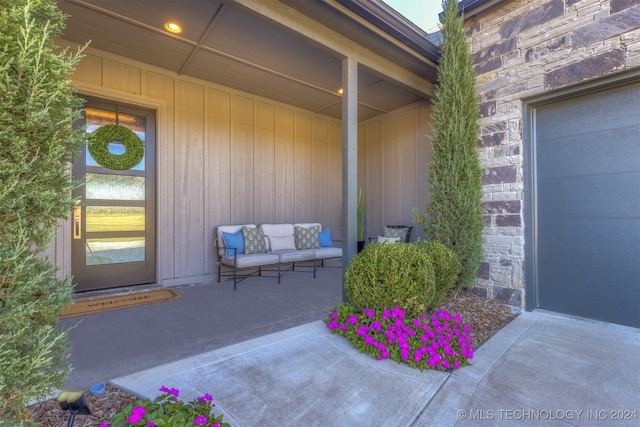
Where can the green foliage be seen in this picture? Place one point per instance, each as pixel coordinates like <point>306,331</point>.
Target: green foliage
<point>445,264</point>
<point>389,275</point>
<point>360,217</point>
<point>37,146</point>
<point>167,410</point>
<point>100,139</point>
<point>453,214</point>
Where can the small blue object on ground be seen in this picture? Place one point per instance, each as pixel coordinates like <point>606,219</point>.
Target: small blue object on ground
<point>97,389</point>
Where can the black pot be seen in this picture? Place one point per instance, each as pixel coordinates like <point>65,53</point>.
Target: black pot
<point>360,245</point>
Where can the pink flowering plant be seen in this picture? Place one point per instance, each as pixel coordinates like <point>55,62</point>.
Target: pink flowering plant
<point>438,340</point>
<point>168,410</point>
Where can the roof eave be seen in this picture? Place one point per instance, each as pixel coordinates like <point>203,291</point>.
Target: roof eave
<point>389,21</point>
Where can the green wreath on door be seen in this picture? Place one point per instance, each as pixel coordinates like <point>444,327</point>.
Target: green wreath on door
<point>100,139</point>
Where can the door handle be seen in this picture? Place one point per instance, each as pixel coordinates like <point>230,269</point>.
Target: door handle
<point>77,222</point>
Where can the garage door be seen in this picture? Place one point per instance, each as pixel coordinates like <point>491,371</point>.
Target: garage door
<point>587,205</point>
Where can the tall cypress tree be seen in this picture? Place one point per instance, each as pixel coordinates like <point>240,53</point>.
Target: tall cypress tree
<point>37,148</point>
<point>453,214</point>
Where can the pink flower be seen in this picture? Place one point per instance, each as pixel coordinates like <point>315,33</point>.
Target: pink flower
<point>200,419</point>
<point>362,330</point>
<point>207,398</point>
<point>368,313</point>
<point>398,312</point>
<point>151,424</point>
<point>173,391</point>
<point>404,353</point>
<point>103,425</point>
<point>333,324</point>
<point>134,418</point>
<point>136,414</point>
<point>215,425</point>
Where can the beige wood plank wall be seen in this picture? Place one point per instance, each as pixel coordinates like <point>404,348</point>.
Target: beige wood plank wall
<point>394,150</point>
<point>226,157</point>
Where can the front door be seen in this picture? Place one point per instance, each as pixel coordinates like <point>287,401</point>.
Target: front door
<point>113,227</point>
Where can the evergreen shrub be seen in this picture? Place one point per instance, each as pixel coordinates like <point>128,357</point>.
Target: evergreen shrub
<point>445,264</point>
<point>388,275</point>
<point>38,145</point>
<point>453,214</point>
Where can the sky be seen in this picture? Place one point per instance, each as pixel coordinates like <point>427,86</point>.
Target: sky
<point>423,13</point>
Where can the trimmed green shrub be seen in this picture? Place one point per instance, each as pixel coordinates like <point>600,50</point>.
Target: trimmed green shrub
<point>445,264</point>
<point>387,275</point>
<point>38,145</point>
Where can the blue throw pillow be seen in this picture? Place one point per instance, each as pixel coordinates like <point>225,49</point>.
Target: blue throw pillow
<point>325,238</point>
<point>233,240</point>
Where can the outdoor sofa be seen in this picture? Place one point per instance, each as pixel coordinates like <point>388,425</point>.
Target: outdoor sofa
<point>271,250</point>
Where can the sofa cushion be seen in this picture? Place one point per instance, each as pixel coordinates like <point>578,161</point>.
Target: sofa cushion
<point>253,260</point>
<point>297,255</point>
<point>325,238</point>
<point>282,243</point>
<point>253,240</point>
<point>326,253</point>
<point>277,229</point>
<point>231,241</point>
<point>307,238</point>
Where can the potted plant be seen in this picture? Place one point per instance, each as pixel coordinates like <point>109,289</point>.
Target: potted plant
<point>360,217</point>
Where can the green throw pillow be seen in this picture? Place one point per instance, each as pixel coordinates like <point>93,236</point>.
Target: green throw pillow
<point>396,232</point>
<point>253,240</point>
<point>307,238</point>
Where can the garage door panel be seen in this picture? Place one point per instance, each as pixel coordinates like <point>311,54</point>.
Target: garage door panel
<point>582,155</point>
<point>589,114</point>
<point>586,205</point>
<point>588,243</point>
<point>611,196</point>
<point>568,290</point>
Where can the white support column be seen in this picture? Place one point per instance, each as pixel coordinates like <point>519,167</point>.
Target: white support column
<point>349,159</point>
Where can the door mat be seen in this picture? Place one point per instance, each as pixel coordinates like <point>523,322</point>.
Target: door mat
<point>82,308</point>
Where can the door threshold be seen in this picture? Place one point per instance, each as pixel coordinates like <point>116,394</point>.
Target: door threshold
<point>114,292</point>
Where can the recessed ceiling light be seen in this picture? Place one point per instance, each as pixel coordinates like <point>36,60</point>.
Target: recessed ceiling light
<point>173,27</point>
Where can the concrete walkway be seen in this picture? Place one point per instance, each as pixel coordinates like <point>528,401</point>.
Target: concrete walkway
<point>208,316</point>
<point>541,369</point>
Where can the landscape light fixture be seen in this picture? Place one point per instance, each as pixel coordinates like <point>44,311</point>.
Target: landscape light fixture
<point>74,402</point>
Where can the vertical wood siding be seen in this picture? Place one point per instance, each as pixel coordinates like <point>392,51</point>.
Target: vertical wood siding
<point>395,150</point>
<point>226,157</point>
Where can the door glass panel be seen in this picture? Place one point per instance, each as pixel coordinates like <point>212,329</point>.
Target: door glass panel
<point>114,187</point>
<point>114,250</point>
<point>114,218</point>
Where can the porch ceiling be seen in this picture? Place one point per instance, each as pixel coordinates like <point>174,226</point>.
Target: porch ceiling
<point>233,44</point>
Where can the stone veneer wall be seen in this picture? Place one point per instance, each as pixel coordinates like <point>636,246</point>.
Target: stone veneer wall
<point>526,48</point>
